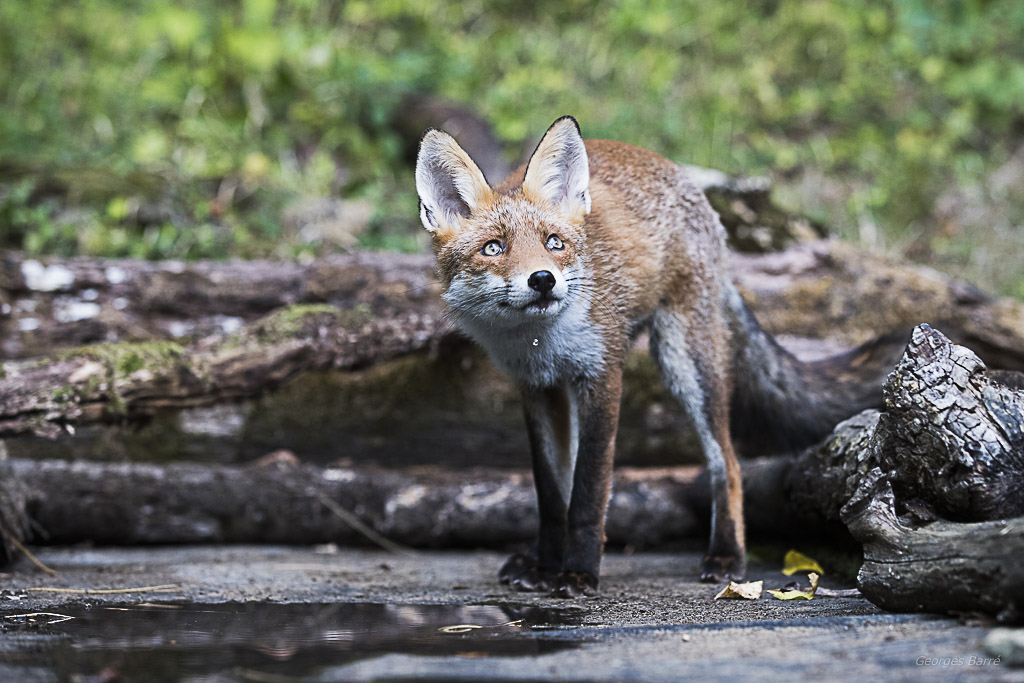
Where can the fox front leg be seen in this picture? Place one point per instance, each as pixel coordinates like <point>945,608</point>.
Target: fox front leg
<point>591,486</point>
<point>552,424</point>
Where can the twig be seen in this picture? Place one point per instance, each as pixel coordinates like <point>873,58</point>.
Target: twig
<point>35,560</point>
<point>839,593</point>
<point>360,526</point>
<point>57,618</point>
<point>166,588</point>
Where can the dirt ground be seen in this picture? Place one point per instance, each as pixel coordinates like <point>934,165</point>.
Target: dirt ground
<point>382,616</point>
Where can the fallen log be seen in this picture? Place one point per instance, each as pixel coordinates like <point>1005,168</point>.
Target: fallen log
<point>279,500</point>
<point>834,290</point>
<point>949,442</point>
<point>939,395</point>
<point>943,567</point>
<point>948,447</point>
<point>973,463</point>
<point>449,408</point>
<point>127,381</point>
<point>55,304</point>
<point>823,296</point>
<point>381,306</point>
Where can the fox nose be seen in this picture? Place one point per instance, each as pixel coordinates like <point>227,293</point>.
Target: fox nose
<point>543,281</point>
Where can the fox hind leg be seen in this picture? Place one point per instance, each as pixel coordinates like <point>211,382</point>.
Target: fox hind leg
<point>692,356</point>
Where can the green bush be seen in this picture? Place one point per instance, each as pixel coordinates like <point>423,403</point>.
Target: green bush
<point>184,129</point>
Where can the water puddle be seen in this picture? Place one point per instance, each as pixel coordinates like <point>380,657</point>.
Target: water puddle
<point>259,642</point>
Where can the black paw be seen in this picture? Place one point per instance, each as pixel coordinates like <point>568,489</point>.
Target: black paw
<point>522,574</point>
<point>515,566</point>
<point>574,584</point>
<point>722,568</point>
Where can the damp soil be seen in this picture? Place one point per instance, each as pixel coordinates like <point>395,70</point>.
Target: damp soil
<point>283,614</point>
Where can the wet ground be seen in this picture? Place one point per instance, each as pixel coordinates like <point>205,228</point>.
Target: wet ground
<point>285,614</point>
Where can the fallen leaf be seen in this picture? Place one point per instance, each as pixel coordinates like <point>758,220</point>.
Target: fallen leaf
<point>797,594</point>
<point>742,591</point>
<point>798,562</point>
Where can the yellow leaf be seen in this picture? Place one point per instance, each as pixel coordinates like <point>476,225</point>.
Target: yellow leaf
<point>798,594</point>
<point>798,562</point>
<point>741,591</point>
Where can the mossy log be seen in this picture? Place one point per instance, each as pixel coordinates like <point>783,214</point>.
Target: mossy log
<point>810,292</point>
<point>449,408</point>
<point>380,307</point>
<point>131,380</point>
<point>352,311</point>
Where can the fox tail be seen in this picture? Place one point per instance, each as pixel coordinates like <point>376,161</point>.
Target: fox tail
<point>783,404</point>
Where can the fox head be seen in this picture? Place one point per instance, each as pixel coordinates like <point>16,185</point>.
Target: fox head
<point>512,257</point>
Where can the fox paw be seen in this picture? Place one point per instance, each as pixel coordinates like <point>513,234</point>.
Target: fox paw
<point>722,568</point>
<point>521,573</point>
<point>574,584</point>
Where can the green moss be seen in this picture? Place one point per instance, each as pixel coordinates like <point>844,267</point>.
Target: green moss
<point>299,321</point>
<point>124,358</point>
<point>120,361</point>
<point>65,394</point>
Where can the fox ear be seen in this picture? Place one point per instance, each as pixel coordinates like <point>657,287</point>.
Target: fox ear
<point>559,170</point>
<point>450,185</point>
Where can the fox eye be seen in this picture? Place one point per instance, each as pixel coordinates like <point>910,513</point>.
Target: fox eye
<point>492,248</point>
<point>555,243</point>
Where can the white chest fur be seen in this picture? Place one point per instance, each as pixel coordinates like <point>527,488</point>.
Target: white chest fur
<point>545,352</point>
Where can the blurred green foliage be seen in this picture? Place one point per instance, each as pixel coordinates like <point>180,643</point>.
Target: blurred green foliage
<point>184,129</point>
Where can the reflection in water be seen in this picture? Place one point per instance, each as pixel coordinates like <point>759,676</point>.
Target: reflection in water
<point>252,640</point>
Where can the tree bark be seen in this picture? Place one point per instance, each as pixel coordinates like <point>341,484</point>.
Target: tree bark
<point>949,441</point>
<point>943,567</point>
<point>948,447</point>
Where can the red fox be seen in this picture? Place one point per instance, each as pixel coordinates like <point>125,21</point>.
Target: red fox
<point>555,270</point>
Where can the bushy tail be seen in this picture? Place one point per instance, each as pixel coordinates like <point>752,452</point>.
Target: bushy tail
<point>781,404</point>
